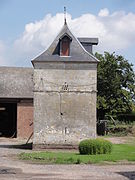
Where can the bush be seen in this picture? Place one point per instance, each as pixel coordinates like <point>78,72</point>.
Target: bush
<point>127,118</point>
<point>95,146</point>
<point>133,130</point>
<point>121,130</point>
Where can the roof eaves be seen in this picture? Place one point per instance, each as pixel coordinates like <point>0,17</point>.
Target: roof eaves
<point>65,34</point>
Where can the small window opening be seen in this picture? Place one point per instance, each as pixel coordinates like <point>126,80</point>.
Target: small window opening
<point>65,46</point>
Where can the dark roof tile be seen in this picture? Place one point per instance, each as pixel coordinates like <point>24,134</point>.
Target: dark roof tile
<point>77,51</point>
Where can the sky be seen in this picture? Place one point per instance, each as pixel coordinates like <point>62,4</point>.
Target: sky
<point>28,27</point>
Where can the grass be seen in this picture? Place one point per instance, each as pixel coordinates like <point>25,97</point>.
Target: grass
<point>121,152</point>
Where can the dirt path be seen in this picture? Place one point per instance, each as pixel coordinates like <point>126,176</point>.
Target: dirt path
<point>121,140</point>
<point>13,169</point>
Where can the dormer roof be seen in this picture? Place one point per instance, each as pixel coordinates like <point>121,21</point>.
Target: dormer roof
<point>77,51</point>
<point>67,35</point>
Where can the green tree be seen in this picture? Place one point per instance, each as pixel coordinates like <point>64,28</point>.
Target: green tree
<point>115,84</point>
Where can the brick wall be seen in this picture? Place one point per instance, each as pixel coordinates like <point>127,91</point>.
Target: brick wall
<point>24,119</point>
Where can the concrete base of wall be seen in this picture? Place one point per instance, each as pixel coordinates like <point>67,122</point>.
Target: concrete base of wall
<point>54,146</point>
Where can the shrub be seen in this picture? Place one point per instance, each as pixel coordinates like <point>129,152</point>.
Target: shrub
<point>78,161</point>
<point>133,130</point>
<point>95,146</point>
<point>121,129</point>
<point>127,118</point>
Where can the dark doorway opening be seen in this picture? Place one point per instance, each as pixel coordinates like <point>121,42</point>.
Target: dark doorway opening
<point>8,119</point>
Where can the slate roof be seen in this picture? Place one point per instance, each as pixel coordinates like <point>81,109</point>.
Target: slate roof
<point>77,51</point>
<point>92,41</point>
<point>16,82</point>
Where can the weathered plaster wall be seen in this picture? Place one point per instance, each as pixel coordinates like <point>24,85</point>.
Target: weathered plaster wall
<point>65,103</point>
<point>24,119</point>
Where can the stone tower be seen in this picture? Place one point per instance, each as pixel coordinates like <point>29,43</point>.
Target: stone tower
<point>65,82</point>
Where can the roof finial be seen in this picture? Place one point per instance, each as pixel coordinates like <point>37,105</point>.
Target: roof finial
<point>65,21</point>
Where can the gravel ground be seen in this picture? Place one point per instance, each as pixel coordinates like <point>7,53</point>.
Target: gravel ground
<point>13,169</point>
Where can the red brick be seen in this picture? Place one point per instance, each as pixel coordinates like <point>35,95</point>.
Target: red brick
<point>24,120</point>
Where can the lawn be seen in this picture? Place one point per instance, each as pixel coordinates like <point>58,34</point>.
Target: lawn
<point>121,152</point>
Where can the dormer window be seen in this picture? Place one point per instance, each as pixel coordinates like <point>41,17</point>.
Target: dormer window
<point>65,45</point>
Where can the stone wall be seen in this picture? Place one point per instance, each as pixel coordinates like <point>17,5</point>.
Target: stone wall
<point>64,104</point>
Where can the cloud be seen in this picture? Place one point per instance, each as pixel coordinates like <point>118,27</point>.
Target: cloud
<point>116,32</point>
<point>38,36</point>
<point>3,60</point>
<point>103,12</point>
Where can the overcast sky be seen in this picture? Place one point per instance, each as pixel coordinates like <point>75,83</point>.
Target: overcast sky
<point>29,26</point>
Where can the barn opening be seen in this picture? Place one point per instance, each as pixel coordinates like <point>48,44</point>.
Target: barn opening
<point>8,120</point>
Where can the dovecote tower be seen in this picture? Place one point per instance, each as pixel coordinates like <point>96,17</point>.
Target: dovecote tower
<point>65,88</point>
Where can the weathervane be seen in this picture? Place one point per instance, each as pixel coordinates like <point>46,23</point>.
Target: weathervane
<point>65,22</point>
